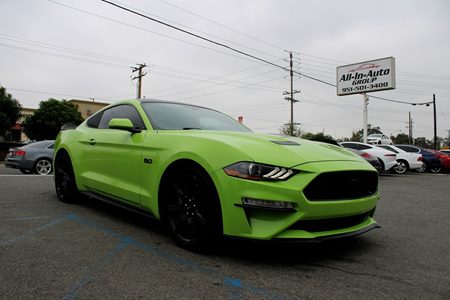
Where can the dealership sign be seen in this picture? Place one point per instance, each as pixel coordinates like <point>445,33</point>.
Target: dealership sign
<point>365,77</point>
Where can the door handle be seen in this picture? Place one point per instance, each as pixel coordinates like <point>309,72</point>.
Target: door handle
<point>92,141</point>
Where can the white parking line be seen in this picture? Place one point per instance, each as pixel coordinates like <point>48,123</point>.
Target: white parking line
<point>18,175</point>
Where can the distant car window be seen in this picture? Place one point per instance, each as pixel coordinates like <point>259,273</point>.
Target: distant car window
<point>41,144</point>
<point>121,111</point>
<point>52,146</point>
<point>388,148</point>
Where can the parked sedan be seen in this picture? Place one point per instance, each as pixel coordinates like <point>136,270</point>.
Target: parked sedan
<point>386,158</point>
<point>405,160</point>
<point>445,159</point>
<point>378,139</point>
<point>369,158</point>
<point>445,151</point>
<point>431,162</point>
<point>32,158</point>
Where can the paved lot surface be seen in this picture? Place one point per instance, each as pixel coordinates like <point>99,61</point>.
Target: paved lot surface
<point>50,250</point>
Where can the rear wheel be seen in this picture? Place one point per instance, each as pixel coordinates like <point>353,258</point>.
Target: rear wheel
<point>435,170</point>
<point>65,185</point>
<point>401,167</point>
<point>423,168</point>
<point>43,166</point>
<point>192,208</point>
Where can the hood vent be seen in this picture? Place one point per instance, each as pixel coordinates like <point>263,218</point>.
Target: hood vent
<point>286,143</point>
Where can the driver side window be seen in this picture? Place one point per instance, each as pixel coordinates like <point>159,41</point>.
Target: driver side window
<point>121,111</point>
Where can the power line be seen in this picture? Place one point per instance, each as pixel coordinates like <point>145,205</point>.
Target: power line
<point>211,41</point>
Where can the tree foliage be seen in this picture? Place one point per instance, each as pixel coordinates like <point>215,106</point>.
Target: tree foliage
<point>286,130</point>
<point>320,137</point>
<point>358,135</point>
<point>401,138</point>
<point>10,111</point>
<point>47,120</point>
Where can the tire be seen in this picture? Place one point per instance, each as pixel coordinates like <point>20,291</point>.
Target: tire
<point>192,209</point>
<point>435,170</point>
<point>42,166</point>
<point>401,168</point>
<point>26,171</point>
<point>423,168</point>
<point>381,166</point>
<point>65,185</point>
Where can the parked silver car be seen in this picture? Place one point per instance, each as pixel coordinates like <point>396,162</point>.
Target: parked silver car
<point>32,158</point>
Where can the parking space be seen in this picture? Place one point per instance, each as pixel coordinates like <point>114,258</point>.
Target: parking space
<point>49,249</point>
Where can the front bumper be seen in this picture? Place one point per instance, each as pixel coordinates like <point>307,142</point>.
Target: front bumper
<point>263,224</point>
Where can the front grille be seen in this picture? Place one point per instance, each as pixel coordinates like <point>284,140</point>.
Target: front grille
<point>342,185</point>
<point>331,224</point>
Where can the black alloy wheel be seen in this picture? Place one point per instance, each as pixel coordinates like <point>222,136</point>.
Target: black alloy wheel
<point>435,170</point>
<point>65,186</point>
<point>193,209</point>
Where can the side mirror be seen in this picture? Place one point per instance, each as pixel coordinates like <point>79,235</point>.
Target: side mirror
<point>123,124</point>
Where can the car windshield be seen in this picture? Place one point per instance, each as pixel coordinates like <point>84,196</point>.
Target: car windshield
<point>175,116</point>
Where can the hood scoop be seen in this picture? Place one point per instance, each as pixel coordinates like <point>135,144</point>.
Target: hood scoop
<point>286,143</point>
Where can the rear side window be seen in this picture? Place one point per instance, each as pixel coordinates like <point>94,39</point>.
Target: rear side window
<point>121,111</point>
<point>409,149</point>
<point>356,146</point>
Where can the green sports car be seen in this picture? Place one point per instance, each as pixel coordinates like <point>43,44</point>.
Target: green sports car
<point>206,175</point>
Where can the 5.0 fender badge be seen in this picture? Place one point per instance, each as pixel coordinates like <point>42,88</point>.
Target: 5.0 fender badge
<point>147,161</point>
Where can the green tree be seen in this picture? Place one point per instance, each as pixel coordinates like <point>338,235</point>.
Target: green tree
<point>320,137</point>
<point>401,138</point>
<point>423,142</point>
<point>358,135</point>
<point>286,130</point>
<point>9,111</point>
<point>47,120</point>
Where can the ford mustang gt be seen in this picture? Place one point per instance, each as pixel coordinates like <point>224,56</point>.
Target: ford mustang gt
<point>207,176</point>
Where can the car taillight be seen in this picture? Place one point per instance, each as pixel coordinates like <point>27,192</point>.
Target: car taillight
<point>420,158</point>
<point>366,155</point>
<point>20,153</point>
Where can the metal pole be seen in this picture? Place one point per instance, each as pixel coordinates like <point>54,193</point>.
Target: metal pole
<point>435,127</point>
<point>292,94</point>
<point>366,100</point>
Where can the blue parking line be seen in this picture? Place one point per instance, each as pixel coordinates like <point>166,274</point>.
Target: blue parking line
<point>236,285</point>
<point>33,231</point>
<point>98,267</point>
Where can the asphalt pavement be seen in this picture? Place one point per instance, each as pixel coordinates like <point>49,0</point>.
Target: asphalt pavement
<point>90,250</point>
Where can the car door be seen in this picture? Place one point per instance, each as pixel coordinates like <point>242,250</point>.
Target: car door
<point>112,159</point>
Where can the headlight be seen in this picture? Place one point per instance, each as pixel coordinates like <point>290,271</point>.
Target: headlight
<point>255,171</point>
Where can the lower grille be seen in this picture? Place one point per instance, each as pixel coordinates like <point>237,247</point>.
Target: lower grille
<point>331,224</point>
<point>342,185</point>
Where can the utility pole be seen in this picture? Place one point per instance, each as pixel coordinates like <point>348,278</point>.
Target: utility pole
<point>291,93</point>
<point>410,129</point>
<point>365,103</point>
<point>139,78</point>
<point>435,127</point>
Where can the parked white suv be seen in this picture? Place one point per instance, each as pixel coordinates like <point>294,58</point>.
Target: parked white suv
<point>406,161</point>
<point>387,158</point>
<point>378,139</point>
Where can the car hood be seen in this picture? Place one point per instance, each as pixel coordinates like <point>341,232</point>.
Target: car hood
<point>276,150</point>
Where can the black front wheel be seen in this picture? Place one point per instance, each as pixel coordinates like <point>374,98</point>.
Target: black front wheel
<point>65,185</point>
<point>193,209</point>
